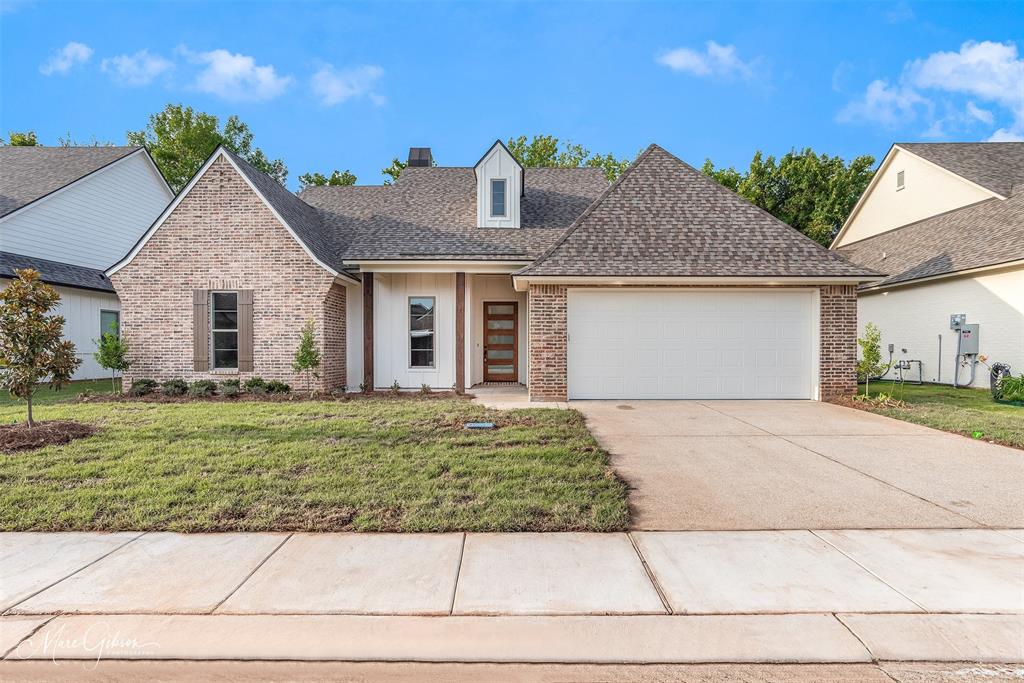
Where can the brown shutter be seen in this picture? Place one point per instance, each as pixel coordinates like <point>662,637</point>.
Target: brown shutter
<point>201,330</point>
<point>245,330</point>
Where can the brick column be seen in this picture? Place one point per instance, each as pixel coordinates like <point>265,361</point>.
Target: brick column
<point>838,356</point>
<point>548,322</point>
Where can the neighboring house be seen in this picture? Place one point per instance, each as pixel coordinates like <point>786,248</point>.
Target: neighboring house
<point>945,223</point>
<point>662,285</point>
<point>69,213</point>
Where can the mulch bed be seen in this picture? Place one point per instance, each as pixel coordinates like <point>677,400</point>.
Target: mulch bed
<point>158,397</point>
<point>21,437</point>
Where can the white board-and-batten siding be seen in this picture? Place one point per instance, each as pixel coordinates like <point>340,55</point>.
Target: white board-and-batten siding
<point>93,222</point>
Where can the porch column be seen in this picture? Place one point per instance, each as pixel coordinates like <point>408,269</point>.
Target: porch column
<point>368,332</point>
<point>460,333</point>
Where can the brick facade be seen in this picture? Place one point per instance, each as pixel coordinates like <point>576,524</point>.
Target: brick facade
<point>548,320</point>
<point>838,341</point>
<point>222,236</point>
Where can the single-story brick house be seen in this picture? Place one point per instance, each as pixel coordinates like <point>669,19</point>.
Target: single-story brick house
<point>661,285</point>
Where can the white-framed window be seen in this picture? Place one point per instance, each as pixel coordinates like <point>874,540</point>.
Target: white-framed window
<point>498,197</point>
<point>901,180</point>
<point>224,330</point>
<point>110,321</point>
<point>421,331</point>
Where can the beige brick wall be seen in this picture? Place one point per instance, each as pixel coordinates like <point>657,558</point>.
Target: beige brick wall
<point>549,344</point>
<point>222,236</point>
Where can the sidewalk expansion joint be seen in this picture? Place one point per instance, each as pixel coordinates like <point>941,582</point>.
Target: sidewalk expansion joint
<point>65,578</point>
<point>458,573</point>
<point>854,634</point>
<point>249,575</point>
<point>14,648</point>
<point>650,574</point>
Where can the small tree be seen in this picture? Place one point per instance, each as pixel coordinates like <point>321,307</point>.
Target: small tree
<point>870,364</point>
<point>307,356</point>
<point>112,354</point>
<point>31,349</point>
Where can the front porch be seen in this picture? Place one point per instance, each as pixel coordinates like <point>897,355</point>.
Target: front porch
<point>443,330</point>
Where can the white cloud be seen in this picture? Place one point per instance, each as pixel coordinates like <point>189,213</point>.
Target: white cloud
<point>989,72</point>
<point>715,61</point>
<point>1004,135</point>
<point>61,61</point>
<point>333,86</point>
<point>235,77</point>
<point>137,69</point>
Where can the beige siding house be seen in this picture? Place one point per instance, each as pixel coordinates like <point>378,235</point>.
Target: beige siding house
<point>945,223</point>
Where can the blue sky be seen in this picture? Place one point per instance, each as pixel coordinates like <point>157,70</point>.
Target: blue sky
<point>327,86</point>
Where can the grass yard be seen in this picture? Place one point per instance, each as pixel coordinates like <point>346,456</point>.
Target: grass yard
<point>374,464</point>
<point>964,411</point>
<point>70,391</point>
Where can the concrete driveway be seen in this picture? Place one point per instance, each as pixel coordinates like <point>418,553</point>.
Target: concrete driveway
<point>738,465</point>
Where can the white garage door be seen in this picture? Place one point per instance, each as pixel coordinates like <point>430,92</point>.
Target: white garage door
<point>690,344</point>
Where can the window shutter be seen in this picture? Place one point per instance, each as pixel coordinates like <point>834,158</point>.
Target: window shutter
<point>201,330</point>
<point>245,330</point>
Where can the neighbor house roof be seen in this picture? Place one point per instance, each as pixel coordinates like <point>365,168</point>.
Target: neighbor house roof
<point>430,214</point>
<point>985,234</point>
<point>55,273</point>
<point>996,166</point>
<point>663,217</point>
<point>31,173</point>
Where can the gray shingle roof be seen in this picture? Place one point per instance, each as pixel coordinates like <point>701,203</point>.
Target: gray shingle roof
<point>430,213</point>
<point>55,273</point>
<point>663,217</point>
<point>983,234</point>
<point>997,166</point>
<point>29,173</point>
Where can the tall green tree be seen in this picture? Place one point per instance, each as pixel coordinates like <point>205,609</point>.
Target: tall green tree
<point>548,151</point>
<point>180,140</point>
<point>21,138</point>
<point>812,192</point>
<point>318,179</point>
<point>31,346</point>
<point>392,172</point>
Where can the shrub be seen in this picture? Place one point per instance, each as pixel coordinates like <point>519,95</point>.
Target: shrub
<point>425,389</point>
<point>142,387</point>
<point>276,386</point>
<point>307,356</point>
<point>112,354</point>
<point>174,387</point>
<point>1012,388</point>
<point>230,387</point>
<point>256,385</point>
<point>202,387</point>
<point>395,387</point>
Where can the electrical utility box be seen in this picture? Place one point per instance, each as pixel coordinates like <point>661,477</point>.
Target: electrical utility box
<point>969,339</point>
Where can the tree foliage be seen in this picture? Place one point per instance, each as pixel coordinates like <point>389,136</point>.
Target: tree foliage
<point>392,172</point>
<point>548,151</point>
<point>112,353</point>
<point>318,179</point>
<point>870,363</point>
<point>31,345</point>
<point>811,192</point>
<point>21,139</point>
<point>307,355</point>
<point>181,139</point>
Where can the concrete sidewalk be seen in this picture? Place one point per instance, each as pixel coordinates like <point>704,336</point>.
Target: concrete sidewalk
<point>797,596</point>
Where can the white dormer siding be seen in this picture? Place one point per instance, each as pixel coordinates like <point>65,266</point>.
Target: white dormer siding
<point>499,188</point>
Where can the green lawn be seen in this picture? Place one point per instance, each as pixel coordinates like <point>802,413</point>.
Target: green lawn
<point>47,396</point>
<point>964,411</point>
<point>364,464</point>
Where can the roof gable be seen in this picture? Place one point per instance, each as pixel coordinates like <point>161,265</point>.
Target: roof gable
<point>664,218</point>
<point>29,174</point>
<point>300,220</point>
<point>996,166</point>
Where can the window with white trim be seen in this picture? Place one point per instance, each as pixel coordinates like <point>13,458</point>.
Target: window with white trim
<point>497,197</point>
<point>224,330</point>
<point>421,331</point>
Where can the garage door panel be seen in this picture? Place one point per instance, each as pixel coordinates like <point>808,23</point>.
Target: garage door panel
<point>690,344</point>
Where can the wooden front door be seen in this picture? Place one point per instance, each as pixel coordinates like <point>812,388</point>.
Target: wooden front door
<point>501,341</point>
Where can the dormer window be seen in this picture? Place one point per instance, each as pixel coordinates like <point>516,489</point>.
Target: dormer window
<point>498,198</point>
